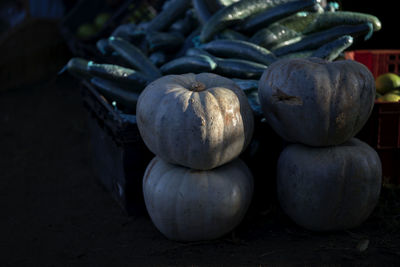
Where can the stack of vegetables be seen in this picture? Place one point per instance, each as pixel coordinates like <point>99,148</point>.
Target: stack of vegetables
<point>235,39</point>
<point>197,125</point>
<point>186,74</point>
<point>326,178</point>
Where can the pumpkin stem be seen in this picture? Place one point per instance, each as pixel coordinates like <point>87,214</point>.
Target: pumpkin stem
<point>197,87</point>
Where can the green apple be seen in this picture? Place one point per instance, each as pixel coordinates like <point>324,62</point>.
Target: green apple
<point>86,31</point>
<point>386,82</point>
<point>101,19</point>
<point>389,97</point>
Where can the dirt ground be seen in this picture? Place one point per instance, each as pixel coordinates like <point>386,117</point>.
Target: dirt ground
<point>54,212</point>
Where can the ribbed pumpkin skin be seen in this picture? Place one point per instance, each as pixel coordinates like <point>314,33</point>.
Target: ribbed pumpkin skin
<point>199,130</point>
<point>192,205</point>
<point>317,102</point>
<point>329,188</point>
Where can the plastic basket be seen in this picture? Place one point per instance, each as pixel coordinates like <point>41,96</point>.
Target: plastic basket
<point>119,155</point>
<point>382,130</point>
<point>377,61</point>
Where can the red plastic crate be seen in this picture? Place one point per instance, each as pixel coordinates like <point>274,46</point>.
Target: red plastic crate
<point>377,61</point>
<point>382,130</point>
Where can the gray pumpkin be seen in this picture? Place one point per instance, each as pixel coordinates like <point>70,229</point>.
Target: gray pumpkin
<point>329,188</point>
<point>317,102</point>
<point>192,205</point>
<point>200,121</point>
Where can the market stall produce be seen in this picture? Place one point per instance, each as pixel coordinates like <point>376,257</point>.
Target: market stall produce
<point>238,41</point>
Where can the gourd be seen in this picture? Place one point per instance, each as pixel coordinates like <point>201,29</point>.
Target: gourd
<point>316,102</point>
<point>200,121</point>
<point>329,188</point>
<point>192,205</point>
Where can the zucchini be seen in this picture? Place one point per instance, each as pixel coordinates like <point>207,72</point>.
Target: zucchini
<point>233,14</point>
<point>239,68</point>
<point>254,101</point>
<point>188,43</point>
<point>126,77</point>
<point>195,51</point>
<point>134,57</point>
<point>104,47</point>
<point>330,19</point>
<point>274,35</point>
<point>239,49</point>
<point>299,54</point>
<point>125,31</point>
<point>186,25</point>
<point>332,50</point>
<point>231,35</point>
<point>215,5</point>
<point>299,21</point>
<point>158,58</point>
<point>112,92</point>
<point>274,14</point>
<point>168,15</point>
<point>189,64</point>
<point>165,41</point>
<point>315,40</point>
<point>246,85</point>
<point>202,11</point>
<point>78,68</point>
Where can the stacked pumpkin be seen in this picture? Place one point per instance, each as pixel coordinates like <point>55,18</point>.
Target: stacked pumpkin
<point>326,178</point>
<point>197,125</point>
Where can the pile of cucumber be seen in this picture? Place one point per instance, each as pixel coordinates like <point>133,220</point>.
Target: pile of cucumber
<point>233,38</point>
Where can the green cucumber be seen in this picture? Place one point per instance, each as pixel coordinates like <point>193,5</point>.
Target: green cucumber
<point>165,41</point>
<point>188,43</point>
<point>299,21</point>
<point>315,40</point>
<point>254,102</point>
<point>134,57</point>
<point>274,14</point>
<point>274,35</point>
<point>215,5</point>
<point>186,25</point>
<point>330,19</point>
<point>234,14</point>
<point>299,54</point>
<point>78,68</point>
<point>112,92</point>
<point>104,47</point>
<point>332,50</point>
<point>195,51</point>
<point>231,35</point>
<point>126,77</point>
<point>158,58</point>
<point>189,64</point>
<point>169,15</point>
<point>202,11</point>
<point>239,68</point>
<point>246,85</point>
<point>239,49</point>
<point>125,31</point>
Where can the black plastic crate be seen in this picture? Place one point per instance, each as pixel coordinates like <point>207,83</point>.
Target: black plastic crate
<point>119,155</point>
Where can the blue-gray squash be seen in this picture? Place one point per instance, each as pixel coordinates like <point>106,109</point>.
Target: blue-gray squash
<point>200,121</point>
<point>192,205</point>
<point>317,102</point>
<point>329,188</point>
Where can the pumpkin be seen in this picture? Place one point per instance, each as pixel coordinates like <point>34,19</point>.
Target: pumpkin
<point>191,205</point>
<point>329,188</point>
<point>200,121</point>
<point>317,102</point>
